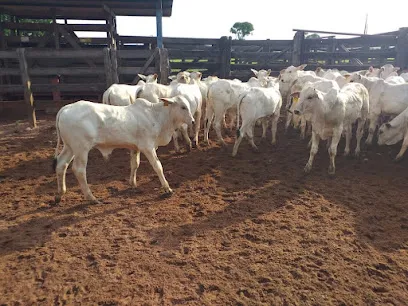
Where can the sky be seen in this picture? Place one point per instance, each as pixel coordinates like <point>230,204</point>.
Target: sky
<point>271,19</point>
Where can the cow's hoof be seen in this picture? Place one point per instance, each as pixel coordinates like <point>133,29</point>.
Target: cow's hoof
<point>57,200</point>
<point>331,171</point>
<point>397,159</point>
<point>307,169</point>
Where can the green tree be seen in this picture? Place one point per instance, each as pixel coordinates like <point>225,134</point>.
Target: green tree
<point>242,29</point>
<point>309,36</point>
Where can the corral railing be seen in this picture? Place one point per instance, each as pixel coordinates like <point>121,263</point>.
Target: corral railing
<point>82,67</point>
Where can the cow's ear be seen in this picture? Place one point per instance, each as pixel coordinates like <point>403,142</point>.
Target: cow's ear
<point>167,101</point>
<point>142,76</point>
<point>254,72</point>
<point>388,125</point>
<point>301,67</point>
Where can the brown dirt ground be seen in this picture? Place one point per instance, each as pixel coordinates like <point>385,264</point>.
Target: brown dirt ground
<point>246,231</point>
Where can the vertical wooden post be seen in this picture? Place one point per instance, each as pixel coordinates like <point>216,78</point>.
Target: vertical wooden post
<point>56,29</point>
<point>28,95</point>
<point>164,65</point>
<point>402,49</point>
<point>332,49</point>
<point>114,63</point>
<point>108,67</point>
<point>112,33</point>
<point>228,47</point>
<point>223,57</point>
<point>159,27</point>
<point>297,48</point>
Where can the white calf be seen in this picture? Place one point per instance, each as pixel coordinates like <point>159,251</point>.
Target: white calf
<point>394,131</point>
<point>329,113</point>
<point>141,127</point>
<point>385,98</point>
<point>255,104</point>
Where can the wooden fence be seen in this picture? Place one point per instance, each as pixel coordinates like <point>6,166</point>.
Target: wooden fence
<point>87,66</point>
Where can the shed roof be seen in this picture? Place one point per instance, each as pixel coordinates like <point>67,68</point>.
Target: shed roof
<point>82,9</point>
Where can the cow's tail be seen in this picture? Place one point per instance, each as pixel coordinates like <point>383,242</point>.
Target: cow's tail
<point>240,98</point>
<point>54,163</point>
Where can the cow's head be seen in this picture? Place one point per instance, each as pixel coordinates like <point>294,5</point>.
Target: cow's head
<point>180,111</point>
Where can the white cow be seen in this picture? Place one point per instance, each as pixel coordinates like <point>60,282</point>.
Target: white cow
<point>222,96</point>
<point>288,76</point>
<point>302,82</point>
<point>330,113</point>
<point>395,80</point>
<point>383,72</point>
<point>385,98</point>
<point>151,78</point>
<point>141,127</point>
<point>123,94</point>
<point>394,131</point>
<point>255,104</point>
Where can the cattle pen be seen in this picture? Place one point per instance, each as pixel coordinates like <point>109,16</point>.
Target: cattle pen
<point>43,59</point>
<point>253,229</point>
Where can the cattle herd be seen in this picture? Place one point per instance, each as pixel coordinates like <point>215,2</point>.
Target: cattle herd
<point>326,104</point>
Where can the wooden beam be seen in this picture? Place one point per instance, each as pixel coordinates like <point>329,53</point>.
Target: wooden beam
<point>28,95</point>
<point>338,33</point>
<point>55,28</point>
<point>298,48</point>
<point>164,65</point>
<point>71,40</point>
<point>108,67</point>
<point>159,23</point>
<point>402,49</point>
<point>114,61</point>
<point>146,65</point>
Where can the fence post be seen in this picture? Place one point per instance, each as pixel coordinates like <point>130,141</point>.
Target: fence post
<point>402,49</point>
<point>108,66</point>
<point>164,65</point>
<point>297,48</point>
<point>228,48</point>
<point>223,57</point>
<point>28,95</point>
<point>114,63</point>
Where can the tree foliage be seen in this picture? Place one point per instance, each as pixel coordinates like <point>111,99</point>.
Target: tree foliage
<point>309,36</point>
<point>242,29</point>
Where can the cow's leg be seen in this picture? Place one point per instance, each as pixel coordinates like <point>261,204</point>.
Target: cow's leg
<point>359,135</point>
<point>333,151</point>
<point>371,128</point>
<point>289,117</point>
<point>217,126</point>
<point>196,127</point>
<point>209,114</point>
<point>274,127</point>
<point>403,148</point>
<point>328,142</point>
<point>348,131</point>
<point>250,134</point>
<point>175,141</point>
<point>63,161</point>
<point>79,169</point>
<point>242,132</point>
<point>134,165</point>
<point>303,124</point>
<point>264,127</point>
<point>313,150</point>
<point>158,168</point>
<point>184,132</point>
